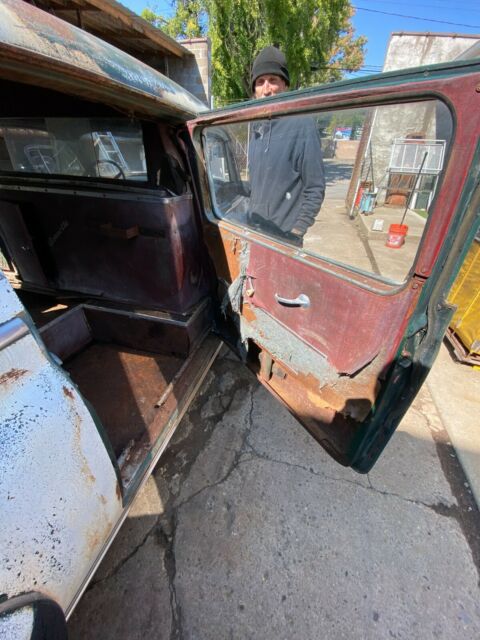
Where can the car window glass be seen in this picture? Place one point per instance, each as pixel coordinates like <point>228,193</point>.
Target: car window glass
<point>82,147</point>
<point>354,185</point>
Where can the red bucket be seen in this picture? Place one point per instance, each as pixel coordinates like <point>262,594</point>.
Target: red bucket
<point>396,236</point>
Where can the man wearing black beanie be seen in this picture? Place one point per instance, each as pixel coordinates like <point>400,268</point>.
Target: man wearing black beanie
<point>287,183</point>
<point>269,62</point>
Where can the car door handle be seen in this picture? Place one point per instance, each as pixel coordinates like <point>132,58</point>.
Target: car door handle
<point>301,301</point>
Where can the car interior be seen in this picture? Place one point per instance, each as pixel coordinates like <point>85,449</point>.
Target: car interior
<point>100,239</point>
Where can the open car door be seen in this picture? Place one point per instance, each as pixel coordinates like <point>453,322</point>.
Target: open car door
<point>59,488</point>
<point>344,329</point>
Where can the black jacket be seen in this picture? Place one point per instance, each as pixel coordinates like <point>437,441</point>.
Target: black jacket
<point>287,183</point>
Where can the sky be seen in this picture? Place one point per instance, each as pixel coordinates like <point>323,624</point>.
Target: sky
<point>377,19</point>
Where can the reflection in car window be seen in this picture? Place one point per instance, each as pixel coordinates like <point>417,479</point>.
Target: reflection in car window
<point>285,186</point>
<point>81,147</point>
<point>381,167</point>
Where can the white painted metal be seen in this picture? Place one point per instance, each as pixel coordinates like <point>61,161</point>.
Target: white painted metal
<point>12,331</point>
<point>17,625</point>
<point>10,305</point>
<point>59,494</point>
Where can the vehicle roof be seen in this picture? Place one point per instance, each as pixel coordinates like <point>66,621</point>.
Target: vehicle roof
<point>38,48</point>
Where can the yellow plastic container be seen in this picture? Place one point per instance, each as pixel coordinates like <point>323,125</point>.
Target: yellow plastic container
<point>465,293</point>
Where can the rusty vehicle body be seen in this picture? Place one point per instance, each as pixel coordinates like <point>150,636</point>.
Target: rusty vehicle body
<point>121,280</point>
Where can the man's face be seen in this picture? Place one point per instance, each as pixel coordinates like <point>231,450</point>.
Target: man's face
<point>269,85</point>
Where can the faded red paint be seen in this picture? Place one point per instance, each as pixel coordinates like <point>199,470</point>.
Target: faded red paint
<point>345,322</point>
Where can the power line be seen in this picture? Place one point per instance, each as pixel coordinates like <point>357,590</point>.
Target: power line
<point>370,71</point>
<point>427,6</point>
<point>334,65</point>
<point>400,15</point>
<point>365,69</point>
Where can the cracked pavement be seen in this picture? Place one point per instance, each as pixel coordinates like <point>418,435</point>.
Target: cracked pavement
<point>247,529</point>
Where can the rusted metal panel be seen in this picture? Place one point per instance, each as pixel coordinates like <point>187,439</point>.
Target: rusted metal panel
<point>58,488</point>
<point>345,324</point>
<point>126,404</point>
<point>325,362</point>
<point>163,267</point>
<point>139,460</point>
<point>286,347</point>
<point>39,48</point>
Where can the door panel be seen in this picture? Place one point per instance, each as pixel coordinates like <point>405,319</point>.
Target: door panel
<point>58,487</point>
<point>344,322</point>
<point>348,363</point>
<point>277,342</point>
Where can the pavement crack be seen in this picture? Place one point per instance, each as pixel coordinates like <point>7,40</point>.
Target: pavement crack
<point>128,557</point>
<point>440,508</point>
<point>167,540</point>
<point>201,437</point>
<point>235,464</point>
<point>262,456</point>
<point>237,460</point>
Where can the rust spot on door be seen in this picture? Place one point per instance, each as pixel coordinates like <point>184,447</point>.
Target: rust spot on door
<point>68,392</point>
<point>248,313</point>
<point>12,375</point>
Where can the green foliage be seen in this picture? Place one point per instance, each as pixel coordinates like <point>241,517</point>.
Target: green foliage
<point>346,53</point>
<point>188,21</point>
<point>328,122</point>
<point>153,18</point>
<point>316,36</point>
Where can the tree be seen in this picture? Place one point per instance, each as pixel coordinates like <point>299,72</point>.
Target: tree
<point>316,36</point>
<point>346,54</point>
<point>188,21</point>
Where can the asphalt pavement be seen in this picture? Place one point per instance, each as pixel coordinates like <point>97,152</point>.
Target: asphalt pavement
<point>247,529</point>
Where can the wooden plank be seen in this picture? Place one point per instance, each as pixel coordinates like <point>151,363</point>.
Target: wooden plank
<point>137,24</point>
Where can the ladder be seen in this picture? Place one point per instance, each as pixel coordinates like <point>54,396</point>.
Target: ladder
<point>108,148</point>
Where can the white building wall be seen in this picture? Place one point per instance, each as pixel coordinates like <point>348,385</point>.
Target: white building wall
<point>416,49</point>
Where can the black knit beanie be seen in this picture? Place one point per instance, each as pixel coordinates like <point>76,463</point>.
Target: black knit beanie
<point>270,61</point>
